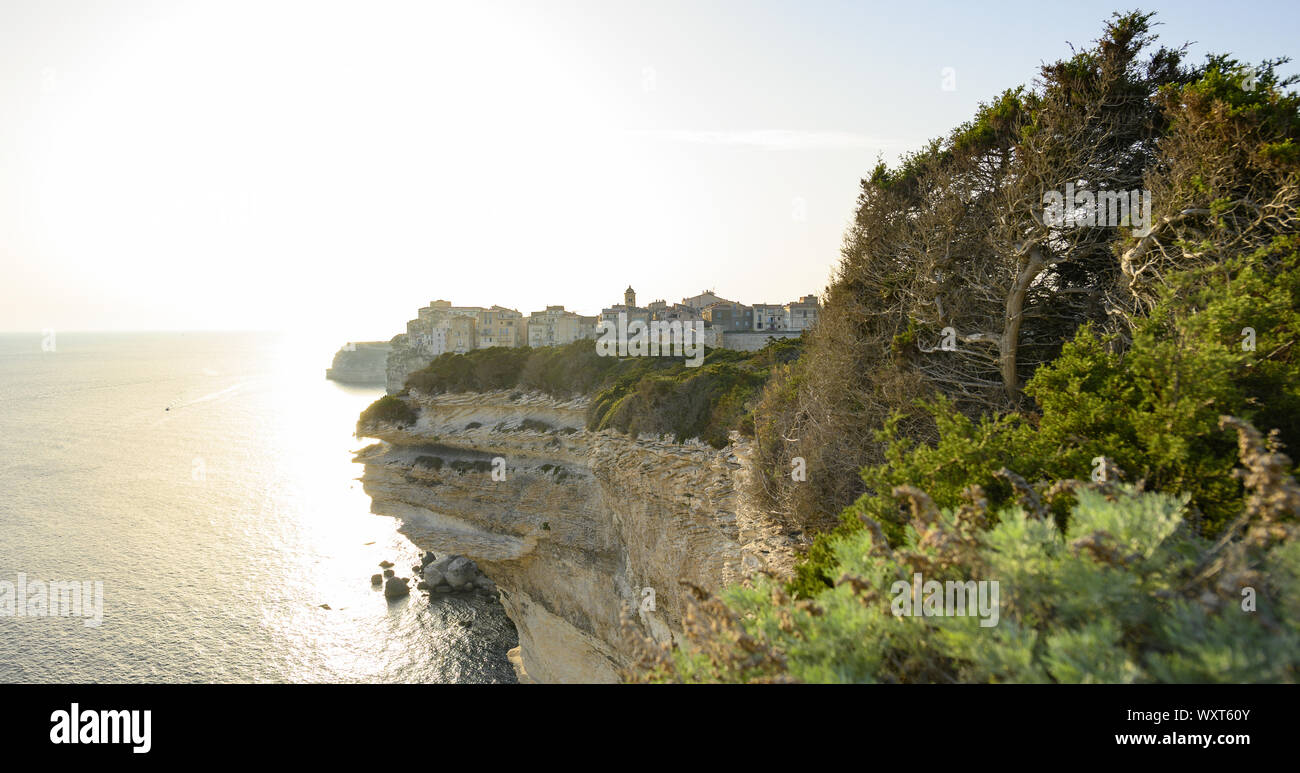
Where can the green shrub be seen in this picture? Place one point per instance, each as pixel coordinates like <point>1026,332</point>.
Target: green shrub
<point>706,402</point>
<point>479,370</point>
<point>1122,591</point>
<point>1152,410</point>
<point>388,409</point>
<point>1079,347</point>
<point>653,395</point>
<point>951,239</point>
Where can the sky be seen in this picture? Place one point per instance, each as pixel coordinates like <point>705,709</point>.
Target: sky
<point>335,166</point>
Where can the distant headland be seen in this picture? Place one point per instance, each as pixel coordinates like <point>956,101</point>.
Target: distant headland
<point>362,362</point>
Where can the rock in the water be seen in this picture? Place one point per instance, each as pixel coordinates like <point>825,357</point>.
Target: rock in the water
<point>460,572</point>
<point>428,558</point>
<point>389,573</point>
<point>385,564</point>
<point>376,579</point>
<point>422,585</point>
<point>396,588</point>
<point>432,575</point>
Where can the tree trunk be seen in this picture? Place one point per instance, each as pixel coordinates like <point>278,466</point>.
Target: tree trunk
<point>1010,342</point>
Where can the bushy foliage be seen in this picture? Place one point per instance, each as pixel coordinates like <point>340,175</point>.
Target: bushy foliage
<point>388,409</point>
<point>1151,408</point>
<point>952,242</point>
<point>636,395</point>
<point>705,402</point>
<point>1121,589</point>
<point>953,238</point>
<point>479,370</point>
<point>1083,350</point>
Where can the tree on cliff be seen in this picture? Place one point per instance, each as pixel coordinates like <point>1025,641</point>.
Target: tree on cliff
<point>957,281</point>
<point>1131,538</point>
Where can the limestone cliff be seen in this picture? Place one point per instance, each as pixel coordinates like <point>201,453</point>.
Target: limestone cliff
<point>404,359</point>
<point>360,363</point>
<point>573,526</point>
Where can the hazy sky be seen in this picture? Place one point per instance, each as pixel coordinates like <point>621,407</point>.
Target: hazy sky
<point>275,165</point>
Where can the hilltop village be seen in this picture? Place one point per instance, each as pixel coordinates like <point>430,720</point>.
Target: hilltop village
<point>442,327</point>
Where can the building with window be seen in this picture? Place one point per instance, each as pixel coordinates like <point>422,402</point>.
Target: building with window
<point>802,314</point>
<point>704,299</point>
<point>499,326</point>
<point>628,307</point>
<point>557,327</point>
<point>769,316</point>
<point>727,316</point>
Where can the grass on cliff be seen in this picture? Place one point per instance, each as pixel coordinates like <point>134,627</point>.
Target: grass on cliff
<point>635,395</point>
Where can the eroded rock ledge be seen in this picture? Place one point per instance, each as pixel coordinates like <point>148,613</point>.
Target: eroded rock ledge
<point>582,524</point>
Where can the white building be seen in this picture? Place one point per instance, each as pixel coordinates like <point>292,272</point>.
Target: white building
<point>769,316</point>
<point>557,327</point>
<point>802,314</point>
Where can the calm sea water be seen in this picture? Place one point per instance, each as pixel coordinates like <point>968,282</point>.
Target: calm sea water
<point>207,481</point>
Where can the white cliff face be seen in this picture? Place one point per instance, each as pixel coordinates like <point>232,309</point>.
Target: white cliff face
<point>572,526</point>
<point>360,363</point>
<point>404,358</point>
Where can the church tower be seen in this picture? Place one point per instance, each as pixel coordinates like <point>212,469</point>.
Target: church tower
<point>629,297</point>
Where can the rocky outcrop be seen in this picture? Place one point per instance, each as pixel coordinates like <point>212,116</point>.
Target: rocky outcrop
<point>572,526</point>
<point>455,573</point>
<point>361,363</point>
<point>403,360</point>
<point>396,588</point>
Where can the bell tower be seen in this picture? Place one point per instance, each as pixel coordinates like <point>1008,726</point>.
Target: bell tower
<point>629,297</point>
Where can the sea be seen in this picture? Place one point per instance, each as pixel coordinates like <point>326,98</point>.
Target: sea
<point>204,483</point>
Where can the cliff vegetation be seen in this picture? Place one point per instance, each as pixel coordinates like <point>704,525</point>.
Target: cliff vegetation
<point>635,395</point>
<point>992,395</point>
